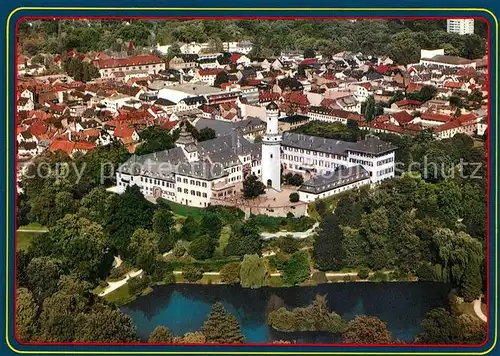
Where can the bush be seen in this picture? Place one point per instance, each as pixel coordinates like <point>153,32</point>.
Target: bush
<point>120,272</point>
<point>230,273</point>
<point>137,284</point>
<point>169,278</point>
<point>202,248</point>
<point>294,197</point>
<point>399,275</point>
<point>103,284</point>
<point>288,244</point>
<point>363,273</point>
<point>192,274</point>
<point>180,248</point>
<point>315,317</point>
<point>297,269</point>
<point>319,277</point>
<point>425,272</point>
<point>380,276</point>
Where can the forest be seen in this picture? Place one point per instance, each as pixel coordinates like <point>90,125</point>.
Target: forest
<point>402,40</point>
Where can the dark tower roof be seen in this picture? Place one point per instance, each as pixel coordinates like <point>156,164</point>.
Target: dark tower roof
<point>272,106</point>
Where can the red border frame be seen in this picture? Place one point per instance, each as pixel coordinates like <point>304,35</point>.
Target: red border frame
<point>321,18</point>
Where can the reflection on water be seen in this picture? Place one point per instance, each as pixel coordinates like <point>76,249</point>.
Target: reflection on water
<point>183,307</point>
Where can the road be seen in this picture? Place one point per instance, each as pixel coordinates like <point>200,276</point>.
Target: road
<point>115,285</point>
<point>297,235</point>
<point>479,312</point>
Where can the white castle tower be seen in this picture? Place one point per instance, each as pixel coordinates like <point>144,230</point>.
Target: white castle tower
<point>271,149</point>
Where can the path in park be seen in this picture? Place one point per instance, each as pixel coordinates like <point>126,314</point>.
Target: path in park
<point>297,235</point>
<point>478,310</point>
<point>40,231</point>
<point>115,285</point>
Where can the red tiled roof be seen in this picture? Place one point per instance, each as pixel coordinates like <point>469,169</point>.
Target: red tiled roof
<point>383,68</point>
<point>451,84</point>
<point>413,87</point>
<point>430,116</point>
<point>235,57</point>
<point>406,102</point>
<point>169,125</point>
<point>60,145</point>
<point>402,117</point>
<point>127,62</point>
<point>84,146</point>
<point>365,85</point>
<point>309,61</point>
<point>448,126</point>
<point>264,97</point>
<point>297,98</point>
<point>123,131</point>
<point>467,118</point>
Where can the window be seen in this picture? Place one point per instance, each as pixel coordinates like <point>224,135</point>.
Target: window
<point>193,192</point>
<point>198,194</point>
<point>271,155</point>
<point>191,182</point>
<point>197,183</point>
<point>179,190</point>
<point>204,185</point>
<point>185,180</point>
<point>204,195</point>
<point>186,191</point>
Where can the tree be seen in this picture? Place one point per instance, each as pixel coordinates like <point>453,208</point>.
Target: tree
<point>82,247</point>
<point>471,283</point>
<point>244,239</point>
<point>368,108</point>
<point>315,317</point>
<point>202,248</point>
<point>253,272</point>
<point>367,330</point>
<point>144,248</point>
<point>296,269</point>
<point>309,53</point>
<point>230,273</point>
<point>173,51</point>
<point>104,324</point>
<point>163,225</point>
<point>328,251</point>
<point>220,79</point>
<point>180,248</point>
<point>160,334</point>
<point>26,315</point>
<point>439,327</point>
<point>128,212</point>
<point>190,229</point>
<point>252,187</point>
<point>294,197</point>
<point>206,134</point>
<point>137,285</point>
<point>43,274</point>
<point>211,225</point>
<point>221,326</point>
<point>94,205</point>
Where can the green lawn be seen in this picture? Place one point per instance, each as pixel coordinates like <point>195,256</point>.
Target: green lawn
<point>185,210</point>
<point>23,239</point>
<point>223,240</point>
<point>33,226</point>
<point>120,296</point>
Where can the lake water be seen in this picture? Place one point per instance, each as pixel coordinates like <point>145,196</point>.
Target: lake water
<point>184,307</point>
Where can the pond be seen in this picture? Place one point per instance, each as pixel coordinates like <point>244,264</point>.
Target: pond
<point>184,307</point>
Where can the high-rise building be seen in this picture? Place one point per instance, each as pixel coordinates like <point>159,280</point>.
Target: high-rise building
<point>460,26</point>
<point>271,149</point>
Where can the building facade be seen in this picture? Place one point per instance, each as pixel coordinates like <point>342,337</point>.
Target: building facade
<point>271,149</point>
<point>460,26</point>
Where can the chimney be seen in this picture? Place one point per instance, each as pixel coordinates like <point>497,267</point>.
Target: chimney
<point>181,79</point>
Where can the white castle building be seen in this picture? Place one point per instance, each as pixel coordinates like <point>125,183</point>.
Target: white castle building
<point>202,173</point>
<point>271,149</point>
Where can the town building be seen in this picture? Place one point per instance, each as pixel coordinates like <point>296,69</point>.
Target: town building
<point>147,63</point>
<point>460,26</point>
